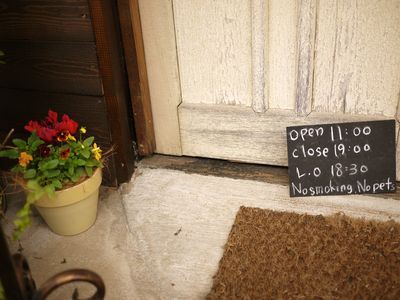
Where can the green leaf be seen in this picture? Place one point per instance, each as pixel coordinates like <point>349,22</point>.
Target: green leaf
<point>57,184</point>
<point>87,142</point>
<point>89,171</point>
<point>21,144</point>
<point>22,220</point>
<point>33,185</point>
<point>2,295</point>
<point>30,173</point>
<point>51,164</point>
<point>71,170</point>
<point>42,165</point>
<point>33,196</point>
<point>10,153</point>
<point>22,213</point>
<point>36,144</point>
<point>1,53</point>
<point>80,162</point>
<point>80,172</point>
<point>92,163</point>
<point>53,173</point>
<point>33,137</point>
<point>74,178</point>
<point>85,153</point>
<point>50,190</point>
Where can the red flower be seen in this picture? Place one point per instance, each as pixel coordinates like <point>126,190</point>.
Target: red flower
<point>45,133</point>
<point>32,125</point>
<point>64,154</point>
<point>52,118</point>
<point>62,136</point>
<point>50,128</point>
<point>67,124</point>
<point>44,151</point>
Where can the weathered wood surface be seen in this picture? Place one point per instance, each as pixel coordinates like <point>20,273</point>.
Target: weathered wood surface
<point>52,67</point>
<point>18,107</point>
<point>132,39</point>
<point>281,51</point>
<point>214,51</point>
<point>223,168</point>
<point>223,64</point>
<point>219,168</point>
<point>45,20</point>
<point>162,66</point>
<point>239,134</point>
<point>312,46</point>
<point>259,67</point>
<point>110,58</point>
<point>306,27</point>
<point>357,57</point>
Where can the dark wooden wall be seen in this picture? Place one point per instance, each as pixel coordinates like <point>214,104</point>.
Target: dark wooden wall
<point>67,55</point>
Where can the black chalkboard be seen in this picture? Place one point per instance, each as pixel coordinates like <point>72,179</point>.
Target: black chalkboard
<point>341,159</point>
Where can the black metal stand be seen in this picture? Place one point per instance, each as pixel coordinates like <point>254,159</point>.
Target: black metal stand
<point>18,283</point>
<point>8,274</point>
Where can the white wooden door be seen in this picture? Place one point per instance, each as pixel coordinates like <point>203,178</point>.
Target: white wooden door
<point>235,73</point>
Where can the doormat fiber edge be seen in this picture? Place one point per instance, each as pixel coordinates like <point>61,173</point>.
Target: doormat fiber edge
<point>281,255</point>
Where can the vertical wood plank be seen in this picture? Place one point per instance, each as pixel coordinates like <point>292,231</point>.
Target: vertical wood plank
<point>214,51</point>
<point>397,118</point>
<point>326,39</point>
<point>373,55</point>
<point>281,56</point>
<point>397,150</point>
<point>358,57</point>
<point>131,30</point>
<point>163,76</point>
<point>337,40</point>
<point>259,104</point>
<point>306,40</point>
<point>109,57</point>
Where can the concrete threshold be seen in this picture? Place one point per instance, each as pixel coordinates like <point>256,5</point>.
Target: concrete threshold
<point>162,235</point>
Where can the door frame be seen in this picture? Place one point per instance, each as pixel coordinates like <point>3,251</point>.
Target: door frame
<point>160,42</point>
<point>135,63</point>
<point>116,95</point>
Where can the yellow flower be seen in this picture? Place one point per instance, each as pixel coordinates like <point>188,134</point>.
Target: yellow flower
<point>24,159</point>
<point>96,151</point>
<point>71,137</point>
<point>83,130</point>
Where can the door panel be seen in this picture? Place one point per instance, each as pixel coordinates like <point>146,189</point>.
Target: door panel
<point>248,69</point>
<point>357,57</point>
<point>280,52</point>
<point>214,51</point>
<point>238,133</point>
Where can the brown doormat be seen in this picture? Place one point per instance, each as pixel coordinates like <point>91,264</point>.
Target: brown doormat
<point>283,255</point>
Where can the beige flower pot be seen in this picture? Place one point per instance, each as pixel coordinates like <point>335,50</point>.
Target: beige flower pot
<point>73,210</point>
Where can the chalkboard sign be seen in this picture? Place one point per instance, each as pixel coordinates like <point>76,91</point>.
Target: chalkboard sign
<point>341,159</point>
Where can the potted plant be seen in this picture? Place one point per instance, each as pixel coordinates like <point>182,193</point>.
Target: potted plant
<point>60,169</point>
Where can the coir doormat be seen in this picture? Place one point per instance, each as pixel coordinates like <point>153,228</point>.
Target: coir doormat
<point>272,255</point>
